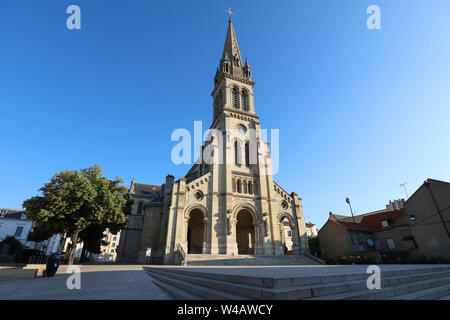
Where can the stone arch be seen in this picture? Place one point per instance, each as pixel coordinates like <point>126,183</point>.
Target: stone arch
<point>294,230</point>
<point>196,226</point>
<point>258,231</point>
<point>198,206</point>
<point>248,206</point>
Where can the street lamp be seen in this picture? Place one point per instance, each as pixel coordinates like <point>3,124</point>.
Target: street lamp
<point>348,201</point>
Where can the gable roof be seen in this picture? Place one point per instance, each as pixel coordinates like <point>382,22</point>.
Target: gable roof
<point>370,222</point>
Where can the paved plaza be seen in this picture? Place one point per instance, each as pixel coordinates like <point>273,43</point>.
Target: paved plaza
<point>110,282</point>
<point>131,282</point>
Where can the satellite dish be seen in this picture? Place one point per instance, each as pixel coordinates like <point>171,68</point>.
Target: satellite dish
<point>370,242</point>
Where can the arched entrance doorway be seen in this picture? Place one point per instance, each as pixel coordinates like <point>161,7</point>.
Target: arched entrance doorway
<point>287,235</point>
<point>196,232</point>
<point>245,232</point>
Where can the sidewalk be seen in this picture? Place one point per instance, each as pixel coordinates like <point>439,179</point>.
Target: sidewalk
<point>98,282</point>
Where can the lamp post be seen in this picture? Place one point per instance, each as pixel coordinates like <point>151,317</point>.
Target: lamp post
<point>350,205</point>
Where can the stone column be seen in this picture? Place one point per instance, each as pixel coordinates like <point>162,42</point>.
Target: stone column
<point>299,225</point>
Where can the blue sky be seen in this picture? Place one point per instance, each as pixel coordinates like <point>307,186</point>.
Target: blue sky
<point>359,111</point>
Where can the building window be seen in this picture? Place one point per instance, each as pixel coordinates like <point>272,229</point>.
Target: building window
<point>234,185</point>
<point>140,206</point>
<point>199,195</point>
<point>385,223</point>
<point>244,185</point>
<point>235,98</point>
<point>239,189</point>
<point>390,243</point>
<point>247,155</point>
<point>250,187</point>
<point>289,233</point>
<point>244,101</point>
<point>18,232</point>
<point>237,152</point>
<point>114,238</point>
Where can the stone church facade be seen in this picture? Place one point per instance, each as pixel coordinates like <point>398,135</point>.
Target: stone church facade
<point>227,204</point>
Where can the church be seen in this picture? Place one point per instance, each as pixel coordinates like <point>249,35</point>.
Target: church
<point>226,205</point>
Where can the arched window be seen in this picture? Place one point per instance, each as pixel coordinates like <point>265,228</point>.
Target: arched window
<point>247,155</point>
<point>235,98</point>
<point>244,100</point>
<point>237,152</point>
<point>250,187</point>
<point>239,188</point>
<point>234,185</point>
<point>244,184</point>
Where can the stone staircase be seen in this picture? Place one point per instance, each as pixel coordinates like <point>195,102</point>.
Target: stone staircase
<point>246,260</point>
<point>193,283</point>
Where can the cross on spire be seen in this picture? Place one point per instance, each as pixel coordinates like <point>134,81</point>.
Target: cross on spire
<point>229,12</point>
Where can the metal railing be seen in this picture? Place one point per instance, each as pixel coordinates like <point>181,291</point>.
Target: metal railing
<point>180,255</point>
<point>154,260</point>
<point>38,259</point>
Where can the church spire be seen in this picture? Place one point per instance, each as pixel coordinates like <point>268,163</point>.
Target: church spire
<point>231,46</point>
<point>231,62</point>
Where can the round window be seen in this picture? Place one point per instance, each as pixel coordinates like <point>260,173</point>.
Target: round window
<point>241,129</point>
<point>198,195</point>
<point>284,204</point>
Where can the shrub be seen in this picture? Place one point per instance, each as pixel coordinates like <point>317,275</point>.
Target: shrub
<point>15,245</point>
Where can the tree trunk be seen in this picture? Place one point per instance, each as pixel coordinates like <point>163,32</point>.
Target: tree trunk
<point>62,242</point>
<point>83,254</point>
<point>74,239</point>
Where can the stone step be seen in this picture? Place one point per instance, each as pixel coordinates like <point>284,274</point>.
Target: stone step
<point>247,260</point>
<point>193,287</point>
<point>290,282</point>
<point>361,285</point>
<point>348,286</point>
<point>387,292</point>
<point>427,294</point>
<point>339,290</point>
<point>241,291</point>
<point>175,292</point>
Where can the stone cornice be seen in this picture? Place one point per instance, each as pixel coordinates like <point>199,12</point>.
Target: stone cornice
<point>244,113</point>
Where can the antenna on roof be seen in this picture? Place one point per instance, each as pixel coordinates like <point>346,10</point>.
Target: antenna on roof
<point>404,187</point>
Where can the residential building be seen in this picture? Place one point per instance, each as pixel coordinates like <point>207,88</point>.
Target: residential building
<point>428,211</point>
<point>108,252</point>
<point>382,235</point>
<point>14,222</point>
<point>311,229</point>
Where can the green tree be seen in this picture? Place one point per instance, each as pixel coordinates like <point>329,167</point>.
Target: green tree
<point>314,245</point>
<point>74,200</point>
<point>40,233</point>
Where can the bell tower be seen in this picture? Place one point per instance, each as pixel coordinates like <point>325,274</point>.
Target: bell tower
<point>233,85</point>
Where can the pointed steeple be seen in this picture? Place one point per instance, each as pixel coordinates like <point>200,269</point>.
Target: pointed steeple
<point>231,57</point>
<point>231,46</point>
